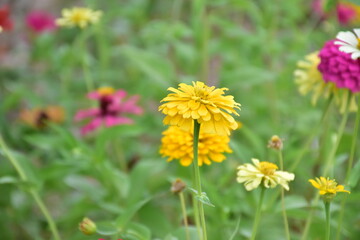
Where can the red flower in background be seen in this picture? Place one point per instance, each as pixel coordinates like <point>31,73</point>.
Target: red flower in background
<point>5,22</point>
<point>40,21</point>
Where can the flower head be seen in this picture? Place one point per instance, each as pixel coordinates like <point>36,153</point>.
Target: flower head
<point>275,143</point>
<point>111,110</point>
<point>87,226</point>
<point>310,80</point>
<point>40,21</point>
<point>6,23</point>
<point>348,13</point>
<point>80,17</point>
<point>178,186</point>
<point>263,173</point>
<point>327,188</point>
<point>199,102</point>
<point>349,42</point>
<point>178,144</point>
<point>39,117</point>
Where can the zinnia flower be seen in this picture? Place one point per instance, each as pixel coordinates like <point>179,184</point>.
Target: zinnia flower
<point>40,21</point>
<point>199,102</point>
<point>5,22</point>
<point>39,117</point>
<point>111,110</point>
<point>263,173</point>
<point>87,226</point>
<point>178,144</point>
<point>348,13</point>
<point>328,188</point>
<point>338,66</point>
<point>310,80</point>
<point>80,17</point>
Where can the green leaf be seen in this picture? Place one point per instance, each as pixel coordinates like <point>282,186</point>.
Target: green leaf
<point>106,228</point>
<point>202,197</point>
<point>354,175</point>
<point>123,220</point>
<point>138,232</point>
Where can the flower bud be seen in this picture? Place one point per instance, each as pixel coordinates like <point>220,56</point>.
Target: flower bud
<point>275,143</point>
<point>178,186</point>
<point>87,227</point>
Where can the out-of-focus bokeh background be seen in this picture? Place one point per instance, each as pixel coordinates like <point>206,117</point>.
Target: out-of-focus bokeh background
<point>115,175</point>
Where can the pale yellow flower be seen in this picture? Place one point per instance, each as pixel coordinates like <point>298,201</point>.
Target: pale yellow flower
<point>309,80</point>
<point>252,175</point>
<point>178,144</point>
<point>199,102</point>
<point>327,186</point>
<point>80,17</point>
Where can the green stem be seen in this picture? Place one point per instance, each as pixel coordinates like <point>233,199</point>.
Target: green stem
<point>183,208</point>
<point>329,161</point>
<point>33,193</point>
<point>327,214</point>
<point>315,131</point>
<point>258,214</point>
<point>198,179</point>
<point>286,223</point>
<point>84,62</point>
<point>350,164</point>
<point>196,216</point>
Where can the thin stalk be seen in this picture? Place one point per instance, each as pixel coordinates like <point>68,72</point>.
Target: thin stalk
<point>258,214</point>
<point>286,223</point>
<point>327,215</point>
<point>306,146</point>
<point>33,193</point>
<point>350,164</point>
<point>329,161</point>
<point>183,208</point>
<point>196,216</point>
<point>84,62</point>
<point>198,179</point>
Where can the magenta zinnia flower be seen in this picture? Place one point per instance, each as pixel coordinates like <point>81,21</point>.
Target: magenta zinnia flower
<point>340,66</point>
<point>111,110</point>
<point>40,21</point>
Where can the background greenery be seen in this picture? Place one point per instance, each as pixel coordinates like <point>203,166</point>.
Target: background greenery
<point>116,176</point>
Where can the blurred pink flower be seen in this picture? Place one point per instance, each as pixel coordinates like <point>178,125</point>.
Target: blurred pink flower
<point>346,12</point>
<point>111,110</point>
<point>6,23</point>
<point>40,21</point>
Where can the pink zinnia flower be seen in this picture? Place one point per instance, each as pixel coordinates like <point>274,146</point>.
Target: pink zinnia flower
<point>345,13</point>
<point>111,110</point>
<point>5,22</point>
<point>340,62</point>
<point>40,21</point>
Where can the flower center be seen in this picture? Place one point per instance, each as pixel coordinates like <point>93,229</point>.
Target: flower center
<point>105,91</point>
<point>268,168</point>
<point>358,45</point>
<point>78,16</point>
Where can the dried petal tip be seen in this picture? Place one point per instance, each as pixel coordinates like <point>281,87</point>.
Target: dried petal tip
<point>87,227</point>
<point>178,186</point>
<point>275,143</point>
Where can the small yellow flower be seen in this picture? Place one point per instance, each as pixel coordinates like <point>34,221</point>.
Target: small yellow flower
<point>328,188</point>
<point>39,117</point>
<point>80,17</point>
<point>199,102</point>
<point>263,172</point>
<point>178,144</point>
<point>309,80</point>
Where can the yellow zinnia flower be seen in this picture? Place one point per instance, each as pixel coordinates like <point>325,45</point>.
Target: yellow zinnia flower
<point>310,80</point>
<point>178,144</point>
<point>80,17</point>
<point>327,187</point>
<point>199,102</point>
<point>263,172</point>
